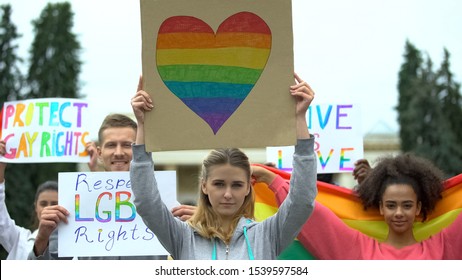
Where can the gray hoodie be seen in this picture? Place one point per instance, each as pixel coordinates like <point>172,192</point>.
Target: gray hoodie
<point>262,240</point>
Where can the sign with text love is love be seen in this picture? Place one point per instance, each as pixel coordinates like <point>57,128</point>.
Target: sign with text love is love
<point>45,130</point>
<point>103,219</point>
<point>217,70</point>
<point>338,139</point>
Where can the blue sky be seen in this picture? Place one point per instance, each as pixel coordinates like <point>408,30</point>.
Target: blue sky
<point>349,51</point>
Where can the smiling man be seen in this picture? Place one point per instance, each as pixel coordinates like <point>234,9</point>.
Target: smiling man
<point>116,135</point>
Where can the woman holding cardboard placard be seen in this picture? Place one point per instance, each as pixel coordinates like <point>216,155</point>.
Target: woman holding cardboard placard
<point>223,226</point>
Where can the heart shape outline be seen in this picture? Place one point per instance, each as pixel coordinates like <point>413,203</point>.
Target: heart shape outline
<point>212,73</point>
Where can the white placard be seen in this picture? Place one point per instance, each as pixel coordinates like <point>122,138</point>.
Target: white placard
<point>45,130</point>
<point>103,219</point>
<point>338,143</point>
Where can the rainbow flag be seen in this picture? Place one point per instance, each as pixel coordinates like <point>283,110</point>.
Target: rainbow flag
<point>346,205</point>
<point>212,73</point>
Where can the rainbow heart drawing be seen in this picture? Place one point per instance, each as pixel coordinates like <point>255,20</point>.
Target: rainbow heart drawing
<point>212,73</point>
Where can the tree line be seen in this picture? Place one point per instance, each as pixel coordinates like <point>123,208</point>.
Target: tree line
<point>430,110</point>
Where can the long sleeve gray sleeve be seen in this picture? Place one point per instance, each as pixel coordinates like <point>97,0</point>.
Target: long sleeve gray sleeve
<point>148,202</point>
<point>300,202</point>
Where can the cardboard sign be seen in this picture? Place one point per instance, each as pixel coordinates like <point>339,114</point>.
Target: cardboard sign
<point>103,219</point>
<point>45,130</point>
<point>217,71</point>
<point>338,143</point>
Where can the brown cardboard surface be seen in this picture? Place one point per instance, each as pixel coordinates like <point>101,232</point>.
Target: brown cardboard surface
<point>266,117</point>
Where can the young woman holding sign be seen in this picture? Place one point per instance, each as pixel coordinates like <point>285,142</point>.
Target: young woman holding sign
<point>223,226</point>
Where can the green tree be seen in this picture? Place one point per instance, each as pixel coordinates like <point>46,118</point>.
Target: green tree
<point>429,111</point>
<point>408,75</point>
<point>450,98</point>
<point>10,75</point>
<point>425,115</point>
<point>54,64</point>
<point>10,86</point>
<point>54,68</point>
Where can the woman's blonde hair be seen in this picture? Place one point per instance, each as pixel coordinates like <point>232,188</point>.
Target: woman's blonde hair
<point>205,220</point>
